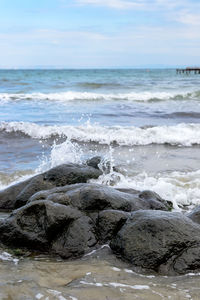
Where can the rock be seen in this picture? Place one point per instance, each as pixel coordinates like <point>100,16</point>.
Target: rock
<point>49,227</point>
<point>94,162</point>
<point>165,242</point>
<point>8,195</point>
<point>194,215</point>
<point>17,195</point>
<point>128,191</point>
<point>76,239</point>
<point>109,223</point>
<point>70,174</point>
<point>94,197</point>
<point>37,183</point>
<point>154,200</point>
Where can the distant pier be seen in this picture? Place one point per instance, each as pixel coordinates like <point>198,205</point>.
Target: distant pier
<point>188,70</point>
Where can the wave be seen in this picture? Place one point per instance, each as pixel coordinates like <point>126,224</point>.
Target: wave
<point>181,188</point>
<point>181,134</point>
<point>89,96</point>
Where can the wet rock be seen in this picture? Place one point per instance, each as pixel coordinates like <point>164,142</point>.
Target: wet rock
<point>70,174</point>
<point>8,195</point>
<point>36,184</point>
<point>154,200</point>
<point>194,215</point>
<point>94,162</point>
<point>76,239</point>
<point>94,197</point>
<point>166,242</point>
<point>128,191</point>
<point>17,195</point>
<point>109,223</point>
<point>49,227</point>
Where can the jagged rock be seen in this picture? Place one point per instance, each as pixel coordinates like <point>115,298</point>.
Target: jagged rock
<point>166,242</point>
<point>96,197</point>
<point>17,195</point>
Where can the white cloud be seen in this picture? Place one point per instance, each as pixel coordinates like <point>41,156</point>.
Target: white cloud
<point>182,11</point>
<point>132,4</point>
<point>117,4</point>
<point>189,18</point>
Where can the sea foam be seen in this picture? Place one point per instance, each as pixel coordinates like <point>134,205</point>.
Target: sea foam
<point>181,188</point>
<point>181,134</point>
<point>90,96</point>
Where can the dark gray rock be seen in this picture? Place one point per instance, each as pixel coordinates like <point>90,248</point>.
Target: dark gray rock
<point>37,183</point>
<point>128,191</point>
<point>8,195</point>
<point>194,215</point>
<point>49,227</point>
<point>168,243</point>
<point>76,239</point>
<point>154,200</point>
<point>94,197</point>
<point>70,174</point>
<point>17,195</point>
<point>109,223</point>
<point>94,162</point>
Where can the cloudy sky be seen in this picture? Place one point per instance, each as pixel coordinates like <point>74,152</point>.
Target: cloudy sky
<point>99,33</point>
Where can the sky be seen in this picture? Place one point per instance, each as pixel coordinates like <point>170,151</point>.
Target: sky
<point>99,33</point>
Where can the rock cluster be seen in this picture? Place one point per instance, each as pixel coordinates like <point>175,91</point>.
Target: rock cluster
<point>58,212</point>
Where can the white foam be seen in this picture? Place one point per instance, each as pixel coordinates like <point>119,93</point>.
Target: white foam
<point>94,251</point>
<point>56,294</point>
<point>39,296</point>
<point>98,284</point>
<point>116,269</point>
<point>116,285</point>
<point>89,96</point>
<point>129,271</point>
<point>66,152</point>
<point>5,256</point>
<point>135,287</point>
<point>181,134</point>
<point>90,253</point>
<point>182,188</point>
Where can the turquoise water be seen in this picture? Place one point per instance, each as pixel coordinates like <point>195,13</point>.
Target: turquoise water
<point>145,121</point>
<point>109,97</point>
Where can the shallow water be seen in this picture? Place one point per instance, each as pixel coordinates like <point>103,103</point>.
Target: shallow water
<point>99,276</point>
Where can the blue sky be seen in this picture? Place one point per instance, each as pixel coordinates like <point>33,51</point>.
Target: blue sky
<point>99,33</point>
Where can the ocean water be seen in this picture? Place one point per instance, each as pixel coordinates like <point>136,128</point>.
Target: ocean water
<point>145,122</point>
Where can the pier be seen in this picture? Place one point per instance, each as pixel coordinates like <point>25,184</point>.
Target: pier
<point>188,70</point>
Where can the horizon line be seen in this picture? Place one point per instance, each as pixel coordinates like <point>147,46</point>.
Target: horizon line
<point>90,68</point>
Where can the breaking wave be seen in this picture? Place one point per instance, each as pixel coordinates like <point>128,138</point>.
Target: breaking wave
<point>88,96</point>
<point>181,134</point>
<point>181,188</point>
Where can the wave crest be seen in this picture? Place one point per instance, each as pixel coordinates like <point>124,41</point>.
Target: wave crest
<point>89,96</point>
<point>181,134</point>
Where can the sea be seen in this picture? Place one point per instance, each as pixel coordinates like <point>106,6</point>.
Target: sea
<point>144,123</point>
